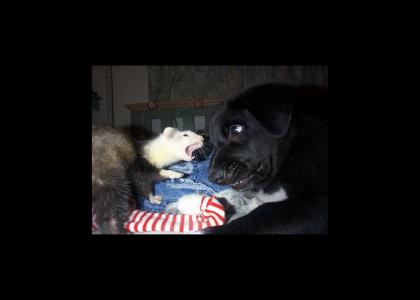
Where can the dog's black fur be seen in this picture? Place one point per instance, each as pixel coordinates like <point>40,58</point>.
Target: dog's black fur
<point>283,143</point>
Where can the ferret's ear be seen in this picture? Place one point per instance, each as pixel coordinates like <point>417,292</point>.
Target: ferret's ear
<point>169,132</point>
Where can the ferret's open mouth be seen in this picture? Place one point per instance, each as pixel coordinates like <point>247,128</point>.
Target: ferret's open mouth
<point>189,150</point>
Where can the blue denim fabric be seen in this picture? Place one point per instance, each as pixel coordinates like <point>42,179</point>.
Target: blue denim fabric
<point>195,180</point>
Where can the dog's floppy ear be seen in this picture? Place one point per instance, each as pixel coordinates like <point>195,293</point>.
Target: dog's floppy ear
<point>275,117</point>
<point>270,104</point>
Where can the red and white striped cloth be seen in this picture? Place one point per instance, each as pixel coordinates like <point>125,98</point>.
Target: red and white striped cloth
<point>212,214</point>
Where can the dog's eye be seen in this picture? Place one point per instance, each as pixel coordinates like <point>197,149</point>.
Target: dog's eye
<point>235,131</point>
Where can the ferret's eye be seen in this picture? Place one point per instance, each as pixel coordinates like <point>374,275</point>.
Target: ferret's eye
<point>185,134</point>
<point>235,131</point>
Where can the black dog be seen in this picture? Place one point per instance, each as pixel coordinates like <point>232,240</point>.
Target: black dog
<point>272,142</point>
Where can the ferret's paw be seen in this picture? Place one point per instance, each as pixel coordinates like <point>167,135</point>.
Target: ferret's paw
<point>170,174</point>
<point>155,199</point>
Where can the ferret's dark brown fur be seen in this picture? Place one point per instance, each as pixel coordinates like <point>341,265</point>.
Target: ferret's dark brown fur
<point>118,173</point>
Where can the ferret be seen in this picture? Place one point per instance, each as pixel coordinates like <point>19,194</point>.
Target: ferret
<point>122,169</point>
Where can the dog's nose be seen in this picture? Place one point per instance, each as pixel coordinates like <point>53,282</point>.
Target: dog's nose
<point>217,176</point>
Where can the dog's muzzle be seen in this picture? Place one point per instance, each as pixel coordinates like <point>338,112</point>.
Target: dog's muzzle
<point>233,173</point>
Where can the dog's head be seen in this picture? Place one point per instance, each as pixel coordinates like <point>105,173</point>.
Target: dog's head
<point>249,133</point>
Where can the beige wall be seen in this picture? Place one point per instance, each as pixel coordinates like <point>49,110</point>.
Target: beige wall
<point>130,84</point>
<point>99,86</point>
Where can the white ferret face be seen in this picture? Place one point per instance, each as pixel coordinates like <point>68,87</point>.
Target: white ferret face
<point>183,142</point>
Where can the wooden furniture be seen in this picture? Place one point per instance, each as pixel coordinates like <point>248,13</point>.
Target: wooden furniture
<point>154,116</point>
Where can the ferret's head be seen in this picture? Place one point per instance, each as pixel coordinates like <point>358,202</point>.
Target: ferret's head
<point>183,142</point>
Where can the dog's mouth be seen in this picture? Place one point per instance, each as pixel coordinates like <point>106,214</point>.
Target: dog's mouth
<point>190,149</point>
<point>242,183</point>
